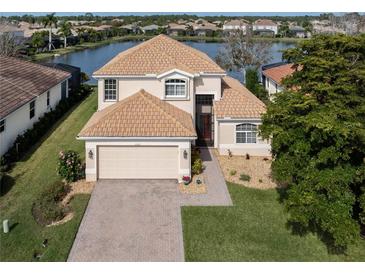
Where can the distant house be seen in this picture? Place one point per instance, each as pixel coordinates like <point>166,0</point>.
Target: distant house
<point>298,31</point>
<point>13,30</point>
<point>264,26</point>
<point>131,28</point>
<point>273,74</point>
<point>27,91</point>
<point>206,29</point>
<point>150,29</point>
<point>176,29</point>
<point>235,25</point>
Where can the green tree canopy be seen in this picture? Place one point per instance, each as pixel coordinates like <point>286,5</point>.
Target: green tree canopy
<point>317,128</point>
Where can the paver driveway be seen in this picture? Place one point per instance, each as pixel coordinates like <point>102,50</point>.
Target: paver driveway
<point>131,220</point>
<point>140,220</point>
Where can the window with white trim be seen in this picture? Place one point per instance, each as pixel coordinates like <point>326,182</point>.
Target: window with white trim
<point>246,133</point>
<point>2,125</point>
<point>110,90</point>
<point>31,109</point>
<point>175,88</point>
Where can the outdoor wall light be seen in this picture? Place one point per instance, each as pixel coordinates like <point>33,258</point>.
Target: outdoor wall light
<point>91,154</point>
<point>185,154</point>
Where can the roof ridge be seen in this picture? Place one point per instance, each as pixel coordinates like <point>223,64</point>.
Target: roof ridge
<point>161,109</point>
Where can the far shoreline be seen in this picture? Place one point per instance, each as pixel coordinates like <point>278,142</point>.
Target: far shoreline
<point>41,57</point>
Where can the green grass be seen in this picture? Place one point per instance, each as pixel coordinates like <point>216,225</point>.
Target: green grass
<point>31,176</point>
<point>254,229</point>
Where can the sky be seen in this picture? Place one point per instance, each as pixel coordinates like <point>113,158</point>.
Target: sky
<point>190,13</point>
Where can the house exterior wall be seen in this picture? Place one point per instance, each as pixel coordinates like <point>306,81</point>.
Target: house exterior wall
<point>272,87</point>
<point>265,27</point>
<point>227,140</point>
<point>182,145</point>
<point>18,121</point>
<point>197,85</point>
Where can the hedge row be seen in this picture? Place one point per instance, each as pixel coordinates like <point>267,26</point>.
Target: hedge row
<point>31,136</point>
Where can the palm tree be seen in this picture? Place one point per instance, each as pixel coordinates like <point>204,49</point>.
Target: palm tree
<point>50,20</point>
<point>37,40</point>
<point>65,30</point>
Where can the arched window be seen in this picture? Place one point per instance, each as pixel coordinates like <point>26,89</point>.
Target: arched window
<point>246,133</point>
<point>175,88</point>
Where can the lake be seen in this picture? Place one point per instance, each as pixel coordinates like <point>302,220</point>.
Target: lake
<point>90,60</point>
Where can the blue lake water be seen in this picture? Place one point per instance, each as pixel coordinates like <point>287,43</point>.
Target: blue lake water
<point>90,60</point>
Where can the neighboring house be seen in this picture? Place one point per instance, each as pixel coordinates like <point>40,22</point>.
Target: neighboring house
<point>27,91</point>
<point>131,28</point>
<point>298,31</point>
<point>235,25</point>
<point>273,74</point>
<point>265,26</point>
<point>75,80</point>
<point>205,29</point>
<point>157,99</point>
<point>14,31</point>
<point>176,29</point>
<point>150,29</point>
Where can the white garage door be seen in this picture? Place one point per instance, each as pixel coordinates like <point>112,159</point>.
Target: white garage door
<point>138,162</point>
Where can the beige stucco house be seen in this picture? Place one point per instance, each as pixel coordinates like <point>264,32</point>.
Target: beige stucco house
<point>158,99</point>
<point>27,91</point>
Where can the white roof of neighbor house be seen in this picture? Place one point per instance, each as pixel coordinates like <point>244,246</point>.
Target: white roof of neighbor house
<point>151,27</point>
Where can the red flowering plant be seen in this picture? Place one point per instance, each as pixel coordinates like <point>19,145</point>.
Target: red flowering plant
<point>186,179</point>
<point>69,166</point>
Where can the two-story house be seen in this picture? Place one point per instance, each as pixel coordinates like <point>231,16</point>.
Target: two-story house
<point>27,91</point>
<point>262,26</point>
<point>158,99</point>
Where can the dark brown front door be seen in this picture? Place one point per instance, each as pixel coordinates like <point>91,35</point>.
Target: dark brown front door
<point>204,121</point>
<point>207,127</point>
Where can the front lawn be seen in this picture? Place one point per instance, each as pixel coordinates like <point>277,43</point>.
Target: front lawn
<point>254,229</point>
<point>30,177</point>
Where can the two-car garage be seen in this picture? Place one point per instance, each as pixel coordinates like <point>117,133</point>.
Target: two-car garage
<point>137,162</point>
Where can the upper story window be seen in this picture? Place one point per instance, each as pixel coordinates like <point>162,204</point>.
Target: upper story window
<point>110,90</point>
<point>2,125</point>
<point>175,88</point>
<point>246,133</point>
<point>31,109</point>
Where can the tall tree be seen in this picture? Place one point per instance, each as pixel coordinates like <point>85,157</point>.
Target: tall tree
<point>241,50</point>
<point>50,21</point>
<point>37,40</point>
<point>65,30</point>
<point>8,45</point>
<point>253,84</point>
<point>318,137</point>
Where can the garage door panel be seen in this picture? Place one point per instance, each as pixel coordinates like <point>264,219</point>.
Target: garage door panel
<point>122,162</point>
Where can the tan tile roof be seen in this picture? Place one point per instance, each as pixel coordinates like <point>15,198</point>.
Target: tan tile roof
<point>22,81</point>
<point>158,55</point>
<point>265,22</point>
<point>279,73</point>
<point>140,115</point>
<point>236,22</point>
<point>237,101</point>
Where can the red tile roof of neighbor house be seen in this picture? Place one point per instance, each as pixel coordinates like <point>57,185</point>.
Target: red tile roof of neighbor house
<point>140,115</point>
<point>237,101</point>
<point>158,55</point>
<point>279,73</point>
<point>22,81</point>
<point>265,22</point>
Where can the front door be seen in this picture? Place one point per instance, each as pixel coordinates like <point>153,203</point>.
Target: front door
<point>204,121</point>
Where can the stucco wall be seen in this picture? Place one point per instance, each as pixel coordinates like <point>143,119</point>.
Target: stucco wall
<point>182,145</point>
<point>18,121</point>
<point>198,85</point>
<point>227,140</point>
<point>272,87</point>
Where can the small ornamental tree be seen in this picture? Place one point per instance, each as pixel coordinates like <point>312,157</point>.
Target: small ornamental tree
<point>317,127</point>
<point>69,166</point>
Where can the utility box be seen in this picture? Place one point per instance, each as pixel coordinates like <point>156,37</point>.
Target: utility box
<point>6,226</point>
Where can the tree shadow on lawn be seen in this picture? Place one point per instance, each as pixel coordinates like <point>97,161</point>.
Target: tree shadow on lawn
<point>301,230</point>
<point>7,183</point>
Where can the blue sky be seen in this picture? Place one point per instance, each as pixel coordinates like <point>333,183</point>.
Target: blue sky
<point>197,13</point>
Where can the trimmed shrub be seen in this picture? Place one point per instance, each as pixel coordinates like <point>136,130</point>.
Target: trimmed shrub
<point>233,172</point>
<point>245,177</point>
<point>197,167</point>
<point>69,166</point>
<point>47,208</point>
